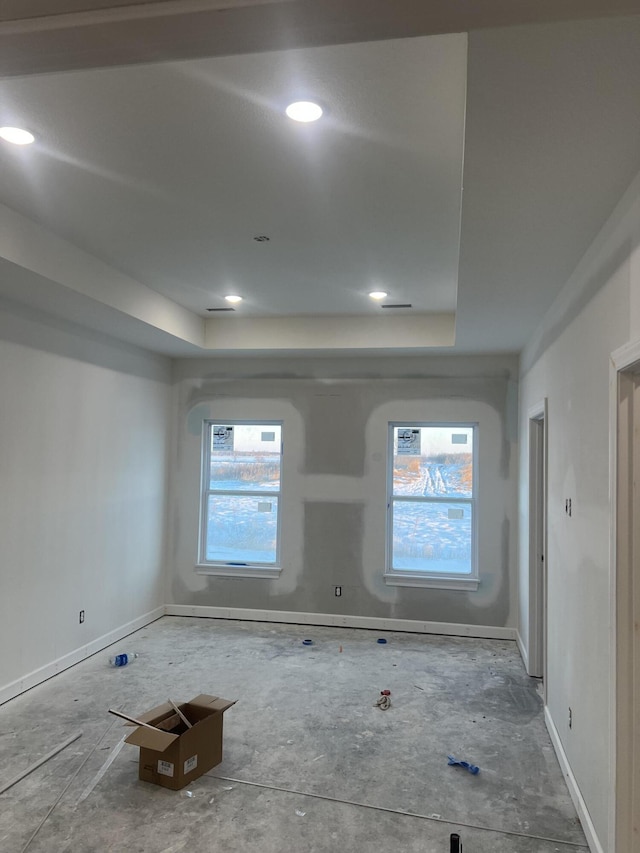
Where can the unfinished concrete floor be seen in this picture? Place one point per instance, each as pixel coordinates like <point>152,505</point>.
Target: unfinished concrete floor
<point>310,764</point>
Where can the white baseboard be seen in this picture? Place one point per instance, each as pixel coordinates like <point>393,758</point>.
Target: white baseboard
<point>578,800</point>
<point>15,688</point>
<point>523,652</point>
<point>338,620</point>
<point>26,682</point>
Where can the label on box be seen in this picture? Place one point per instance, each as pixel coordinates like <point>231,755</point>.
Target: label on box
<point>190,764</point>
<point>165,768</point>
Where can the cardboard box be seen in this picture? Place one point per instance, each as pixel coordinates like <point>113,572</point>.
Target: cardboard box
<point>173,755</point>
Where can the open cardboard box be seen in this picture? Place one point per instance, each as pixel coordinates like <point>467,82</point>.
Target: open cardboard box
<point>172,754</point>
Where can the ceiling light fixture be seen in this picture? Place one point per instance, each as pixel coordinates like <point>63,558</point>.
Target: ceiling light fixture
<point>232,297</point>
<point>378,294</point>
<point>16,135</point>
<point>304,111</point>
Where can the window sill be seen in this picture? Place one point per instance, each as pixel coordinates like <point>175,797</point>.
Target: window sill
<point>430,582</point>
<point>224,571</point>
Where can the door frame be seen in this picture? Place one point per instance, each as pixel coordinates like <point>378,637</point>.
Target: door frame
<point>537,475</point>
<point>625,599</point>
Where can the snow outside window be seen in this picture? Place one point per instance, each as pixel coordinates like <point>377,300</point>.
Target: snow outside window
<point>242,464</point>
<point>431,525</point>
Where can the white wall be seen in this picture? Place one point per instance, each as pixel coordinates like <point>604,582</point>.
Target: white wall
<point>568,363</point>
<point>335,415</point>
<point>83,462</point>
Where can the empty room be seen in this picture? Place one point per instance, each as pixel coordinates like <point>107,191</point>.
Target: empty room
<point>320,405</point>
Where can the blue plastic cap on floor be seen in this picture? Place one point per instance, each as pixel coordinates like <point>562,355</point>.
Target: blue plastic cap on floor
<point>470,767</point>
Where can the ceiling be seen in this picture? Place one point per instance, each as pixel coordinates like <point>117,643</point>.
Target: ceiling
<point>136,209</point>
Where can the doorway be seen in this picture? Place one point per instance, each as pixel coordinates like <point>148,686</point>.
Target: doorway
<point>625,495</point>
<point>536,664</point>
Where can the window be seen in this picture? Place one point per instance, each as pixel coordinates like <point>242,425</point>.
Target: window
<point>431,505</point>
<point>242,464</point>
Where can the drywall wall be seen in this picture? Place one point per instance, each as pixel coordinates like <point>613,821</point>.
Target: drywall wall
<point>39,267</point>
<point>83,462</point>
<point>335,417</point>
<point>567,362</point>
<point>327,333</point>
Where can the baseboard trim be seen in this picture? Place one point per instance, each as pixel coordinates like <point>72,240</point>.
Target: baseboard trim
<point>523,652</point>
<point>578,800</point>
<point>20,685</point>
<point>26,682</point>
<point>343,621</point>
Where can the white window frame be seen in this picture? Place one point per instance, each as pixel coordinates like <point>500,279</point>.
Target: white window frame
<point>231,569</point>
<point>433,580</point>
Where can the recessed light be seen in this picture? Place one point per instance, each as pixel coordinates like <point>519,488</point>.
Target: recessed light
<point>232,297</point>
<point>378,294</point>
<point>304,111</point>
<point>17,135</point>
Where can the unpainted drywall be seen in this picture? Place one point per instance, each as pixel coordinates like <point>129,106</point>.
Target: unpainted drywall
<point>335,416</point>
<point>83,464</point>
<point>568,362</point>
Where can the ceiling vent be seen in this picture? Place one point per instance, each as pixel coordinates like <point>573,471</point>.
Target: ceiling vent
<point>221,309</point>
<point>398,305</point>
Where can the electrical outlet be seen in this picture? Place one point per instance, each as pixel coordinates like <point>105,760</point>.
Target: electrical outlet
<point>81,616</point>
<point>570,718</point>
<point>338,591</point>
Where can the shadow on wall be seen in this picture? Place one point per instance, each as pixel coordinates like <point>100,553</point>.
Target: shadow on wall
<point>573,300</point>
<point>26,326</point>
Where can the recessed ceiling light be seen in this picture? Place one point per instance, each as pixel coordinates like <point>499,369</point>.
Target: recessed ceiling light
<point>232,297</point>
<point>304,111</point>
<point>17,135</point>
<point>378,294</point>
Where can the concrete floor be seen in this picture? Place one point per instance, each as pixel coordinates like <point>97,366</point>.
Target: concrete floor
<point>310,765</point>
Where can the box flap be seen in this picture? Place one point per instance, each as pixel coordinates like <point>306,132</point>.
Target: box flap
<point>151,738</point>
<point>169,724</point>
<point>215,703</point>
<point>156,713</point>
